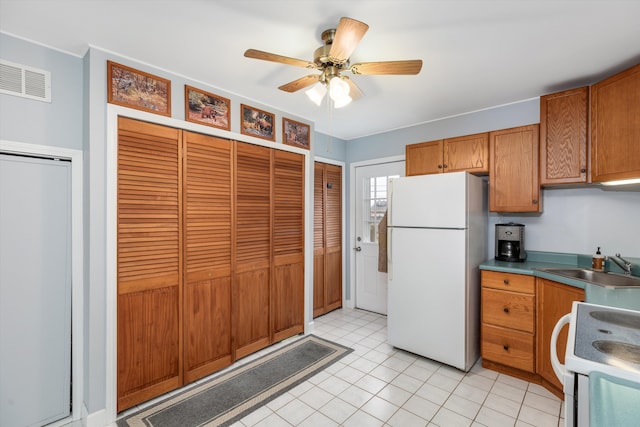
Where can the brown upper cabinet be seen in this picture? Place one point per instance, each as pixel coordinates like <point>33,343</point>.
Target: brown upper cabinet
<point>464,153</point>
<point>564,137</point>
<point>513,180</point>
<point>615,127</point>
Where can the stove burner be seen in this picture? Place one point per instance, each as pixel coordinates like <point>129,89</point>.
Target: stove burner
<point>620,319</point>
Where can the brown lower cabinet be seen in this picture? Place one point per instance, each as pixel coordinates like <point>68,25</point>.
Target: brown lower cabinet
<point>554,301</point>
<point>519,313</point>
<point>210,242</point>
<point>327,238</point>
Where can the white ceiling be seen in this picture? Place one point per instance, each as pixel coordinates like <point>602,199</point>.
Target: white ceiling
<point>476,54</point>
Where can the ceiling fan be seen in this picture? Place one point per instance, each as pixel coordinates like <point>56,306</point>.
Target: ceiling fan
<point>332,59</point>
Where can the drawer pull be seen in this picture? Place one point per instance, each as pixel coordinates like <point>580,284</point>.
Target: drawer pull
<point>506,347</point>
<point>506,310</point>
<point>505,281</point>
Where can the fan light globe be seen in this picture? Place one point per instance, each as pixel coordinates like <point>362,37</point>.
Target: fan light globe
<point>338,89</point>
<point>345,100</point>
<point>316,93</point>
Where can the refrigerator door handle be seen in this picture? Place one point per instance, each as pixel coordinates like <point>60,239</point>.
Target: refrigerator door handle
<point>390,203</point>
<point>389,255</point>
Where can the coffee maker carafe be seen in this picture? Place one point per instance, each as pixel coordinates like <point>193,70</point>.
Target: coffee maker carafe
<point>510,242</point>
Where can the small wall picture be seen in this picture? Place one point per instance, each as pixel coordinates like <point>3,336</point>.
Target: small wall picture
<point>295,133</point>
<point>257,122</point>
<point>206,108</point>
<point>136,89</point>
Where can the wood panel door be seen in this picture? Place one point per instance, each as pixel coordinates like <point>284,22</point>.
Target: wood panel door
<point>514,184</point>
<point>208,225</point>
<point>327,259</point>
<point>424,158</point>
<point>615,127</point>
<point>319,208</point>
<point>288,244</point>
<point>554,300</point>
<point>333,238</point>
<point>564,118</point>
<point>467,153</point>
<point>252,237</point>
<point>149,253</point>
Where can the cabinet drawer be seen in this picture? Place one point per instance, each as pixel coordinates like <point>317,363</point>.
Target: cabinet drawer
<point>508,347</point>
<point>509,309</point>
<point>508,281</point>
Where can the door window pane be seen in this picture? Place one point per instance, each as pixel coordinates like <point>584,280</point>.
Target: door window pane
<point>375,205</point>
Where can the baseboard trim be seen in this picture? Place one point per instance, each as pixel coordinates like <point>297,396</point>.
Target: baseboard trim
<point>95,419</point>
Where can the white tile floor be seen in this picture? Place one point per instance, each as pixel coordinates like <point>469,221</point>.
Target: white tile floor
<point>378,385</point>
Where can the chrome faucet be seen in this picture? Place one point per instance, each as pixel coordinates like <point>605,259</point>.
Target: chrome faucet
<point>623,264</point>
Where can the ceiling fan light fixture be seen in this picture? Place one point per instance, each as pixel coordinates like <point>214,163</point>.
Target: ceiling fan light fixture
<point>317,93</point>
<point>338,89</point>
<point>345,100</point>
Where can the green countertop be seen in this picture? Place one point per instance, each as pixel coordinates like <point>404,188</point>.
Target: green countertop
<point>539,260</point>
<point>622,298</point>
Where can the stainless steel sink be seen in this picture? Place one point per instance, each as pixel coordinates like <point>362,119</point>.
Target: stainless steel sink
<point>619,350</point>
<point>600,278</point>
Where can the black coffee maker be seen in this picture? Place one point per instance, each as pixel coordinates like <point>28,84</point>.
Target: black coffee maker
<point>510,242</point>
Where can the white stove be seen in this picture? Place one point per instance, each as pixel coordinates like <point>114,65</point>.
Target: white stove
<point>601,339</point>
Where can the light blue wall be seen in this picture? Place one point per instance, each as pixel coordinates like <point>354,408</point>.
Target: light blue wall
<point>574,219</point>
<point>58,123</point>
<point>392,143</point>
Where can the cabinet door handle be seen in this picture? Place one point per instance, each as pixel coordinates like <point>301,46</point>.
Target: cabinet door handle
<point>583,170</point>
<point>439,166</point>
<point>505,347</point>
<point>506,281</point>
<point>445,166</point>
<point>506,310</point>
<point>534,201</point>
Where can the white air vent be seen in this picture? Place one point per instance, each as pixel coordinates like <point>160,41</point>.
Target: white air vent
<point>26,82</point>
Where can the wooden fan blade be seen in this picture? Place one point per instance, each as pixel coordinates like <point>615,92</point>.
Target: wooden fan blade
<point>409,67</point>
<point>354,90</point>
<point>348,35</point>
<point>266,56</point>
<point>300,83</point>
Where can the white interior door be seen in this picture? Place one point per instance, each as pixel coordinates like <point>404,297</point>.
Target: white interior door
<point>370,205</point>
<point>35,290</point>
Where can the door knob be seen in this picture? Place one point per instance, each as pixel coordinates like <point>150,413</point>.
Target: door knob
<point>357,248</point>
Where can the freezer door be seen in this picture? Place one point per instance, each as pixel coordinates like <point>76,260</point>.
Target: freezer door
<point>438,200</point>
<point>428,311</point>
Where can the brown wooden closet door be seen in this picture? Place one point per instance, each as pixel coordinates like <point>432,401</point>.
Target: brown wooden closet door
<point>318,239</point>
<point>149,262</point>
<point>333,237</point>
<point>252,248</point>
<point>288,244</point>
<point>207,204</point>
<point>327,244</point>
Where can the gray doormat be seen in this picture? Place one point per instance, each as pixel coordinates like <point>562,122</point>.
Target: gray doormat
<point>229,397</point>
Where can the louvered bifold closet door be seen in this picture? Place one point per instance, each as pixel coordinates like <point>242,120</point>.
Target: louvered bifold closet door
<point>288,244</point>
<point>251,285</point>
<point>208,221</point>
<point>318,239</point>
<point>333,237</point>
<point>149,354</point>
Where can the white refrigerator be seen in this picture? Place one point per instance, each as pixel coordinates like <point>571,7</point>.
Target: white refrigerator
<point>436,240</point>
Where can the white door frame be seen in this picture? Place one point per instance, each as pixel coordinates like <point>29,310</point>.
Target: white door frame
<point>77,264</point>
<point>351,303</point>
